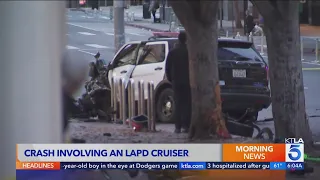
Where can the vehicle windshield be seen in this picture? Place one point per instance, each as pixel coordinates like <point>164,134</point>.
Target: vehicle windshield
<point>237,51</point>
<point>127,55</point>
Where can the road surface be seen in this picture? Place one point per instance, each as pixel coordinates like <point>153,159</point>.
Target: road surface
<point>87,35</point>
<point>90,35</point>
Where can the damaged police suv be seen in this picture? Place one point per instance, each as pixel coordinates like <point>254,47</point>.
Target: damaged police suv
<point>243,75</point>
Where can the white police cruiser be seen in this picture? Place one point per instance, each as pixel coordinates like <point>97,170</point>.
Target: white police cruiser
<point>242,70</point>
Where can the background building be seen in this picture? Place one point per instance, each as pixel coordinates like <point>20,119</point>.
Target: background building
<point>310,12</point>
<point>230,10</point>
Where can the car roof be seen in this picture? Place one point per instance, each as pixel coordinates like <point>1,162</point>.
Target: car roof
<point>173,36</point>
<point>220,39</point>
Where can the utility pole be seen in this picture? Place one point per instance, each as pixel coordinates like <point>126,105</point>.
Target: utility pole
<point>245,10</point>
<point>221,13</point>
<point>30,76</point>
<point>119,36</point>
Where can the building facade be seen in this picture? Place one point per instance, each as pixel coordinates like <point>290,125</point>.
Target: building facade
<point>309,9</point>
<point>310,12</point>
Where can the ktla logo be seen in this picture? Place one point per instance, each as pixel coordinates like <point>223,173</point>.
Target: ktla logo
<point>295,151</point>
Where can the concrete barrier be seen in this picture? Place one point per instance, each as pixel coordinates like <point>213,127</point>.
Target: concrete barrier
<point>124,100</point>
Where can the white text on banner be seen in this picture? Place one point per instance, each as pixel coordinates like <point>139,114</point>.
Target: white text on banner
<point>119,152</point>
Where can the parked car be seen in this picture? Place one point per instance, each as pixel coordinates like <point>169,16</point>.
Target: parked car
<point>243,75</point>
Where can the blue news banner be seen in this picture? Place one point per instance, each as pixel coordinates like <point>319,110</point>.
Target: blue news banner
<point>180,165</point>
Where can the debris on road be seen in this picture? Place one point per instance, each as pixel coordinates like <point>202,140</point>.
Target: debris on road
<point>119,133</point>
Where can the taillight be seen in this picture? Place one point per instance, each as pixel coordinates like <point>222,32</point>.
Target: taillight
<point>267,72</point>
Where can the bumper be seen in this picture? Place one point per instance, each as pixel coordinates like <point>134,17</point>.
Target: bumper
<point>243,101</point>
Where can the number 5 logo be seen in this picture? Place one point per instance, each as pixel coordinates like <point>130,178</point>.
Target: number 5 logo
<point>294,150</point>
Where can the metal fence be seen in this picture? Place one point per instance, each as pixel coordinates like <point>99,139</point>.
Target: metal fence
<point>107,13</point>
<point>259,41</point>
<point>169,17</point>
<point>127,105</point>
<point>315,41</point>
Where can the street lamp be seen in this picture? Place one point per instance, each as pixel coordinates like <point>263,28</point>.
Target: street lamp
<point>221,13</point>
<point>245,9</point>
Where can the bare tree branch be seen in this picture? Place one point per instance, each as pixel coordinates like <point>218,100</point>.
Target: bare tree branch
<point>184,12</point>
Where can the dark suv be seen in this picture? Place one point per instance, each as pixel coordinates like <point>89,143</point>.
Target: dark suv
<point>243,77</point>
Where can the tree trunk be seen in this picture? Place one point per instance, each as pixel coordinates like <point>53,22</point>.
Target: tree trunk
<point>237,14</point>
<point>204,82</point>
<point>286,79</point>
<point>200,22</point>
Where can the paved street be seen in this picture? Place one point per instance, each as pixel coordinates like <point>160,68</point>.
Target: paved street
<point>312,85</point>
<point>88,34</point>
<point>134,17</point>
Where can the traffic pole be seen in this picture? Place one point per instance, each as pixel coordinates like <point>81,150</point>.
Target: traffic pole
<point>32,34</point>
<point>119,34</point>
<point>221,13</point>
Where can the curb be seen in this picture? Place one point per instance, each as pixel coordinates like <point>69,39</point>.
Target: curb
<point>313,50</point>
<point>309,51</point>
<point>77,9</point>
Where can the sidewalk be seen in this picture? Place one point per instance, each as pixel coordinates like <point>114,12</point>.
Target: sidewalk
<point>309,33</point>
<point>134,18</point>
<point>139,21</point>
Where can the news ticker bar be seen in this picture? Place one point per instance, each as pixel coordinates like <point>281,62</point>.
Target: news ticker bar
<point>163,165</point>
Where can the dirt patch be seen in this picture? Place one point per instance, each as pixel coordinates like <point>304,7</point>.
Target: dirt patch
<point>96,132</point>
<point>308,30</point>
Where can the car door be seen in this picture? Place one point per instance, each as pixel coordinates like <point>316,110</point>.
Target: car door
<point>124,61</point>
<point>151,63</point>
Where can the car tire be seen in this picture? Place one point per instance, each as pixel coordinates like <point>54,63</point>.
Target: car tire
<point>165,106</point>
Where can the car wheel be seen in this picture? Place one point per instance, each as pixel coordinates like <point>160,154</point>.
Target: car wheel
<point>165,106</point>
